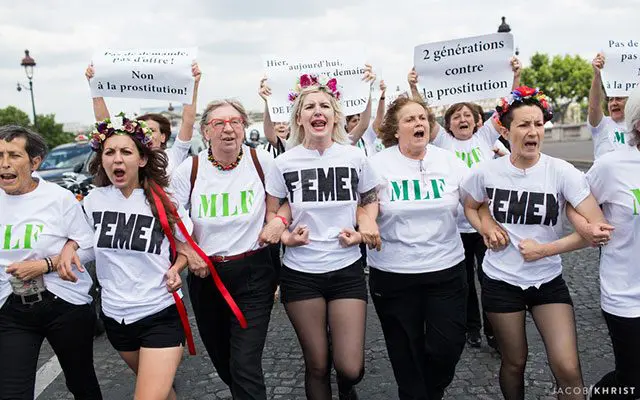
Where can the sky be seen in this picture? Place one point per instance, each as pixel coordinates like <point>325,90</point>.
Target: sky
<point>232,37</point>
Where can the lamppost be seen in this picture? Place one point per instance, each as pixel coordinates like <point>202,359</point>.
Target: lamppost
<point>28,63</point>
<point>505,28</point>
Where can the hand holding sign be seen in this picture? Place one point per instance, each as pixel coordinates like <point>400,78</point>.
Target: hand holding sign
<point>353,79</point>
<point>149,74</point>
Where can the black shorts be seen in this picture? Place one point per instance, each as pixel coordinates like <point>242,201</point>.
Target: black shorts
<point>345,283</point>
<point>159,330</point>
<point>501,297</point>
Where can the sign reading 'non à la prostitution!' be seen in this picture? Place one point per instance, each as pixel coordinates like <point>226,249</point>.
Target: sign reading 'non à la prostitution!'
<point>161,74</point>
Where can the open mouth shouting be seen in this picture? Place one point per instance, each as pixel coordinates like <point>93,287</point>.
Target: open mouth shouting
<point>419,133</point>
<point>119,175</point>
<point>8,178</point>
<point>530,144</point>
<point>318,124</point>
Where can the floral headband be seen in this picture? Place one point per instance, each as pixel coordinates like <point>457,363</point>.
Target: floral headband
<point>521,94</point>
<point>120,125</point>
<point>308,80</point>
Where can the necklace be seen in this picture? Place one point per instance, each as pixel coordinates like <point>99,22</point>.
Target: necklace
<point>221,167</point>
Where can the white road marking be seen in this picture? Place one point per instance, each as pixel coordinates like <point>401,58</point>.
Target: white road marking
<point>46,375</point>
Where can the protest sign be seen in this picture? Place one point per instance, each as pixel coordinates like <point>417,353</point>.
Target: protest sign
<point>621,72</point>
<point>466,69</point>
<point>284,72</point>
<point>145,74</point>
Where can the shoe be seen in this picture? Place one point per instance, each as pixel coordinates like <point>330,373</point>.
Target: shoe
<point>351,395</point>
<point>493,343</point>
<point>474,340</point>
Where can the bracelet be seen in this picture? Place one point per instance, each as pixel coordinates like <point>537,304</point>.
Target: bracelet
<point>283,219</point>
<point>49,264</point>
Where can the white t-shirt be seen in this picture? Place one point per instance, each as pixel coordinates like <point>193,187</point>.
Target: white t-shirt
<point>419,201</point>
<point>36,225</point>
<point>323,192</point>
<point>478,148</point>
<point>528,204</point>
<point>227,207</point>
<point>609,136</point>
<point>367,142</point>
<point>615,183</point>
<point>176,154</point>
<point>132,253</point>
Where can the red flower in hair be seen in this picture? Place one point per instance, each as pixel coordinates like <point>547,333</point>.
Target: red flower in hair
<point>526,91</point>
<point>332,84</point>
<point>305,80</point>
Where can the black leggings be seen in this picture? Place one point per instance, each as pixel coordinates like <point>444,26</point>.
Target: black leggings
<point>474,250</point>
<point>624,381</point>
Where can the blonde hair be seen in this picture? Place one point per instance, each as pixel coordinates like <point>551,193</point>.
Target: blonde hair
<point>219,103</point>
<point>632,115</point>
<point>339,135</point>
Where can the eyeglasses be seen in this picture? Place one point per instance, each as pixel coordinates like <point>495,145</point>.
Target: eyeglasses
<point>218,124</point>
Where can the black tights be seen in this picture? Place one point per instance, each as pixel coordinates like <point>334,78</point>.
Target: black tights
<point>346,321</point>
<point>557,326</point>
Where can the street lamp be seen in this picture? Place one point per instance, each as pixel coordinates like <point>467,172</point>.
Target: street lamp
<point>505,28</point>
<point>28,63</point>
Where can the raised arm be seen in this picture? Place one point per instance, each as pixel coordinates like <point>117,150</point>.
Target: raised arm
<point>357,132</point>
<point>377,122</point>
<point>267,125</point>
<point>412,79</point>
<point>516,67</point>
<point>100,110</point>
<point>595,92</point>
<point>189,110</point>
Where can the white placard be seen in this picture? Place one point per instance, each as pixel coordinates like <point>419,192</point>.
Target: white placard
<point>163,74</point>
<point>621,72</point>
<point>283,73</point>
<point>468,69</point>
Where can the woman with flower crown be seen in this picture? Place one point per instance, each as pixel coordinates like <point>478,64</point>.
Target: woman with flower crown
<point>322,177</point>
<point>224,188</point>
<point>140,310</point>
<point>527,194</point>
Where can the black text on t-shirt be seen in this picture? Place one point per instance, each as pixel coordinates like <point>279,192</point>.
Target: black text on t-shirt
<point>137,232</point>
<point>318,184</point>
<point>524,208</point>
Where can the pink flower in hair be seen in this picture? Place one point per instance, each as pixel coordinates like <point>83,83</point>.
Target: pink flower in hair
<point>305,80</point>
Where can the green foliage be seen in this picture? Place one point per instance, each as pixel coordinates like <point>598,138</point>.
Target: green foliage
<point>565,79</point>
<point>51,131</point>
<point>13,116</point>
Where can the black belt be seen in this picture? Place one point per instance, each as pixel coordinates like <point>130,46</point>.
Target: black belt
<point>32,298</point>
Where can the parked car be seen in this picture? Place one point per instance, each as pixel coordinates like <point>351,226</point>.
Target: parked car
<point>71,157</point>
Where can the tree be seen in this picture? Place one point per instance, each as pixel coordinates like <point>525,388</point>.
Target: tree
<point>13,116</point>
<point>565,79</point>
<point>52,132</point>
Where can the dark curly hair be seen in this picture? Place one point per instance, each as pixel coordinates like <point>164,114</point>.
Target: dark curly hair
<point>457,107</point>
<point>155,171</point>
<point>389,126</point>
<point>163,122</point>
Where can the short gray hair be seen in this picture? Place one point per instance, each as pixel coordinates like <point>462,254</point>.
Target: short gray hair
<point>632,116</point>
<point>219,103</point>
<point>35,144</point>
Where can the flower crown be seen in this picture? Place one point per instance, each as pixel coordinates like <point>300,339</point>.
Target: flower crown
<point>120,125</point>
<point>521,94</point>
<point>308,80</point>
